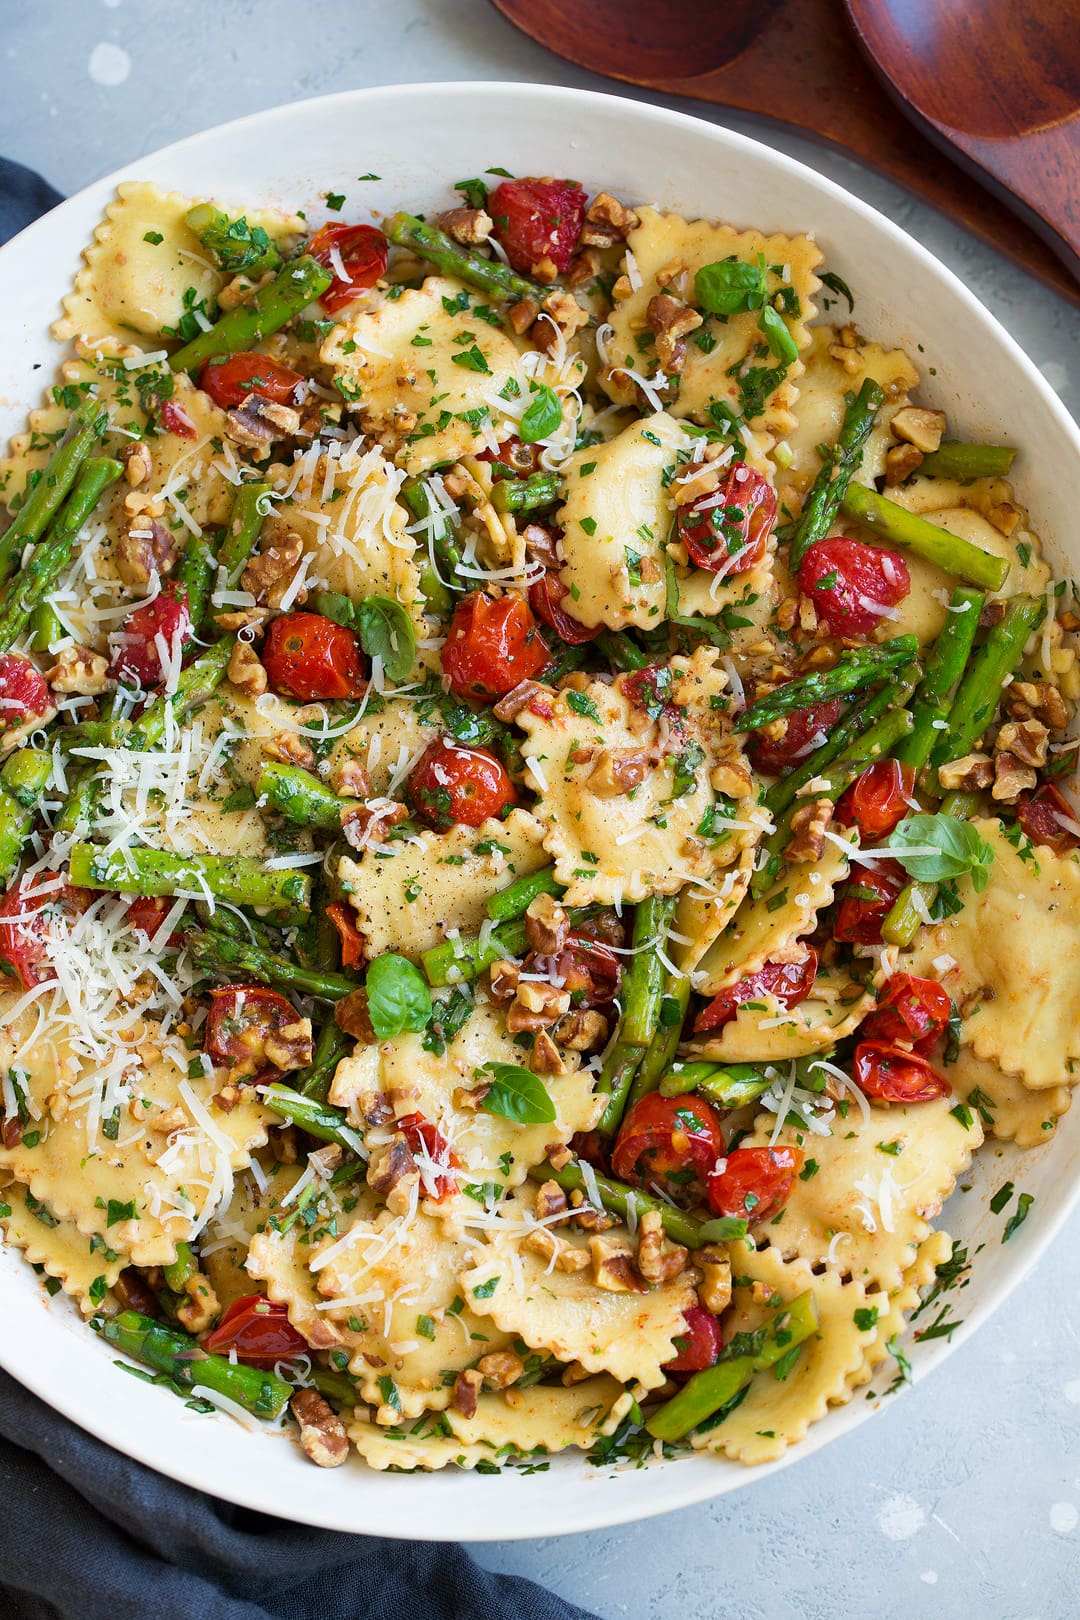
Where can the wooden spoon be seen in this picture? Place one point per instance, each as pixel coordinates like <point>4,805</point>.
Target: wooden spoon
<point>794,62</point>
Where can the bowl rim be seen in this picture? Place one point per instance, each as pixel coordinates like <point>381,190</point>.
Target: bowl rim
<point>115,1425</point>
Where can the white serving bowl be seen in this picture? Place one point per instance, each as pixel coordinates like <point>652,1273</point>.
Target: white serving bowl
<point>420,139</point>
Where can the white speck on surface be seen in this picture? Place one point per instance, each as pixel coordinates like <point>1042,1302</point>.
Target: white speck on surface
<point>109,64</point>
<point>929,1577</point>
<point>1064,1518</point>
<point>1072,1391</point>
<point>900,1518</point>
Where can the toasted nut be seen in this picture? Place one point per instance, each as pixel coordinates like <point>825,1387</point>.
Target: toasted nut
<point>582,1030</point>
<point>78,669</point>
<point>613,1266</point>
<point>322,1433</point>
<point>504,980</point>
<point>258,422</point>
<point>466,1394</point>
<point>469,226</point>
<point>547,926</point>
<point>369,823</point>
<point>544,270</point>
<point>289,749</point>
<point>137,463</point>
<point>609,213</point>
<point>564,310</point>
<point>351,1016</point>
<point>657,1260</point>
<point>714,1290</point>
<point>808,824</point>
<point>558,1155</point>
<point>470,1097</point>
<point>618,771</point>
<point>901,462</point>
<point>734,781</point>
<point>291,1046</point>
<point>246,671</point>
<point>520,697</point>
<point>550,1200</point>
<point>1027,739</point>
<point>349,778</point>
<point>536,1006</point>
<point>575,1373</point>
<point>522,315</point>
<point>670,320</point>
<point>392,1174</point>
<point>967,774</point>
<point>283,1144</point>
<point>270,572</point>
<point>545,1057</point>
<point>500,1369</point>
<point>144,548</point>
<point>1038,700</point>
<point>920,427</point>
<point>1011,778</point>
<point>201,1306</point>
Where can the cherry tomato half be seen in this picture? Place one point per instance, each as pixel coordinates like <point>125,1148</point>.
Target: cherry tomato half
<point>229,379</point>
<point>147,912</point>
<point>589,970</point>
<point>259,1331</point>
<point>522,459</point>
<point>361,249</point>
<point>806,728</point>
<point>136,654</point>
<point>546,597</point>
<point>1040,813</point>
<point>427,1140</point>
<point>241,1017</point>
<point>879,799</point>
<point>454,785</point>
<point>727,530</point>
<point>352,941</point>
<point>24,692</point>
<point>892,1074</point>
<point>491,646</point>
<point>866,900</point>
<point>788,982</point>
<point>699,1344</point>
<point>537,219</point>
<point>852,586</point>
<point>650,689</point>
<point>26,918</point>
<point>175,419</point>
<point>308,656</point>
<point>910,1009</point>
<point>669,1142</point>
<point>754,1182</point>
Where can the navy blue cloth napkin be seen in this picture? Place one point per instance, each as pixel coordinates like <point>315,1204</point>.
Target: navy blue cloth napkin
<point>90,1535</point>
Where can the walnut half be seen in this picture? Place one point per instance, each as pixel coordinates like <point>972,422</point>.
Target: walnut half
<point>322,1433</point>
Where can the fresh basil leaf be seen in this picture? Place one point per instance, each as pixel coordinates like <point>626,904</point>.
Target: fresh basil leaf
<point>936,848</point>
<point>729,287</point>
<point>517,1094</point>
<point>398,997</point>
<point>542,417</point>
<point>333,605</point>
<point>724,1229</point>
<point>837,285</point>
<point>386,632</point>
<point>781,342</point>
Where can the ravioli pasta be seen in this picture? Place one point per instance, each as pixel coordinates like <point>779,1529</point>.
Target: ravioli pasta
<point>500,951</point>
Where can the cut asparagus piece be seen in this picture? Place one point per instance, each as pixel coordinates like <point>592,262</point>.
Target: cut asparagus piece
<point>896,526</point>
<point>640,998</point>
<point>620,1199</point>
<point>944,668</point>
<point>240,880</point>
<point>952,459</point>
<point>52,554</point>
<point>525,494</point>
<point>854,669</point>
<point>674,1001</point>
<point>251,505</point>
<point>301,797</point>
<point>729,1085</point>
<point>490,275</point>
<point>183,1359</point>
<point>979,692</point>
<point>296,285</point>
<point>835,475</point>
<point>457,960</point>
<point>22,782</point>
<point>859,718</point>
<point>317,1118</point>
<point>230,958</point>
<point>235,246</point>
<point>507,904</point>
<point>43,500</point>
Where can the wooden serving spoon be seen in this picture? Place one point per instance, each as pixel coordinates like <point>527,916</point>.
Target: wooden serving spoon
<point>797,62</point>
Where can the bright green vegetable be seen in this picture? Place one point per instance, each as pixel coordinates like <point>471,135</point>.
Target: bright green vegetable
<point>642,990</point>
<point>301,797</point>
<point>44,498</point>
<point>914,900</point>
<point>296,285</point>
<point>182,1269</point>
<point>235,246</point>
<point>854,669</point>
<point>397,997</point>
<point>251,505</point>
<point>543,415</point>
<point>859,718</point>
<point>457,960</point>
<point>229,958</point>
<point>944,668</point>
<point>182,1359</point>
<point>441,573</point>
<point>490,275</point>
<point>835,475</point>
<point>240,880</point>
<point>317,1118</point>
<point>899,527</point>
<point>955,460</point>
<point>979,693</point>
<point>729,1085</point>
<point>731,287</point>
<point>525,494</point>
<point>23,778</point>
<point>386,632</point>
<point>617,1197</point>
<point>333,1044</point>
<point>516,1093</point>
<point>937,848</point>
<point>674,1001</point>
<point>515,901</point>
<point>45,628</point>
<point>51,555</point>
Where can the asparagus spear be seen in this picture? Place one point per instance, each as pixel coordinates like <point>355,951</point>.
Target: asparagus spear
<point>674,1001</point>
<point>22,782</point>
<point>195,573</point>
<point>45,628</point>
<point>619,1198</point>
<point>525,494</point>
<point>835,475</point>
<point>235,246</point>
<point>490,275</point>
<point>227,957</point>
<point>457,960</point>
<point>182,1359</point>
<point>195,684</point>
<point>944,668</point>
<point>238,879</point>
<point>727,1085</point>
<point>955,460</point>
<point>296,285</point>
<point>900,527</point>
<point>620,652</point>
<point>331,1047</point>
<point>642,989</point>
<point>301,797</point>
<point>42,502</point>
<point>317,1118</point>
<point>183,1268</point>
<point>706,1392</point>
<point>859,718</point>
<point>52,554</point>
<point>979,691</point>
<point>250,506</point>
<point>440,576</point>
<point>507,904</point>
<point>855,668</point>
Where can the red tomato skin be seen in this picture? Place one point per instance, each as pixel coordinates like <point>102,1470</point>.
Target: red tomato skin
<point>858,921</point>
<point>422,1136</point>
<point>135,657</point>
<point>789,982</point>
<point>910,1009</point>
<point>352,941</point>
<point>453,785</point>
<point>589,970</point>
<point>229,379</point>
<point>175,419</point>
<point>704,1342</point>
<point>727,532</point>
<point>893,1074</point>
<point>537,219</point>
<point>491,646</point>
<point>22,943</point>
<point>546,598</point>
<point>761,1173</point>
<point>147,912</point>
<point>862,571</point>
<point>672,1135</point>
<point>240,1017</point>
<point>308,656</point>
<point>774,755</point>
<point>879,799</point>
<point>24,692</point>
<point>522,459</point>
<point>363,250</point>
<point>1038,814</point>
<point>259,1331</point>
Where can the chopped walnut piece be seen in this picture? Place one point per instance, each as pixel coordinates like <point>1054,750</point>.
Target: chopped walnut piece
<point>289,749</point>
<point>144,548</point>
<point>583,1029</point>
<point>808,824</point>
<point>808,619</point>
<point>787,613</point>
<point>290,1047</point>
<point>901,462</point>
<point>544,270</point>
<point>1011,778</point>
<point>609,214</point>
<point>545,1057</point>
<point>504,980</point>
<point>541,546</point>
<point>714,1290</point>
<point>967,774</point>
<point>322,1433</point>
<point>575,1373</point>
<point>392,1174</point>
<point>550,1200</point>
<point>918,426</point>
<point>583,266</point>
<point>246,671</point>
<point>732,780</point>
<point>657,1260</point>
<point>349,777</point>
<point>467,1387</point>
<point>500,1369</point>
<point>567,1256</point>
<point>547,926</point>
<point>558,1155</point>
<point>1026,739</point>
<point>563,309</point>
<point>269,573</point>
<point>79,669</point>
<point>351,1016</point>
<point>1038,700</point>
<point>522,315</point>
<point>536,1006</point>
<point>137,462</point>
<point>618,771</point>
<point>613,1266</point>
<point>670,320</point>
<point>469,226</point>
<point>241,618</point>
<point>257,422</point>
<point>470,1097</point>
<point>697,480</point>
<point>369,823</point>
<point>201,1305</point>
<point>283,1144</point>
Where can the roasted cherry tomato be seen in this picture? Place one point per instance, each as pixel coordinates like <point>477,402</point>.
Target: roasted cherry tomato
<point>1041,814</point>
<point>853,586</point>
<point>360,250</point>
<point>352,941</point>
<point>699,1344</point>
<point>24,692</point>
<point>806,730</point>
<point>27,915</point>
<point>893,1074</point>
<point>259,1331</point>
<point>669,1142</point>
<point>586,968</point>
<point>427,1141</point>
<point>175,419</point>
<point>537,219</point>
<point>136,654</point>
<point>910,1009</point>
<point>879,799</point>
<point>650,689</point>
<point>788,982</point>
<point>308,656</point>
<point>492,645</point>
<point>240,1019</point>
<point>522,459</point>
<point>229,379</point>
<point>547,596</point>
<point>454,785</point>
<point>754,1182</point>
<point>147,912</point>
<point>727,530</point>
<point>866,900</point>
